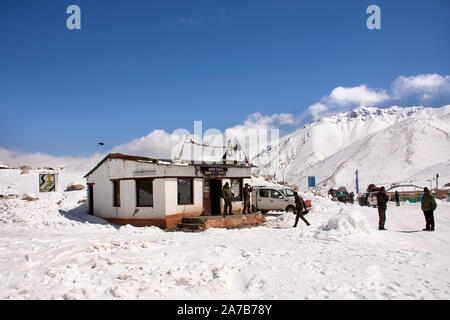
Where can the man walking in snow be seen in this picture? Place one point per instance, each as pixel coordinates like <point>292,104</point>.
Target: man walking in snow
<point>299,207</point>
<point>382,199</point>
<point>227,196</point>
<point>247,192</point>
<point>428,205</point>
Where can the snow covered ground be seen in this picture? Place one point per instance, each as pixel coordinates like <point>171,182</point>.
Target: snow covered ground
<point>51,249</point>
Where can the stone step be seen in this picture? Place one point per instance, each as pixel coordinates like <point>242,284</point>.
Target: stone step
<point>203,219</point>
<point>191,226</point>
<point>186,230</point>
<point>201,223</point>
<point>192,220</point>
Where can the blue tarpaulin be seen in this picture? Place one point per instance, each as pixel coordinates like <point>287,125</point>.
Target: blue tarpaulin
<point>311,182</point>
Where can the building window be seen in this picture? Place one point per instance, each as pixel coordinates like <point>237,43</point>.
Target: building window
<point>144,193</point>
<point>116,193</point>
<point>185,191</point>
<point>236,188</point>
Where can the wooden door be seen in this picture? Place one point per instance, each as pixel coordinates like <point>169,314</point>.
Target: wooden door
<point>206,197</point>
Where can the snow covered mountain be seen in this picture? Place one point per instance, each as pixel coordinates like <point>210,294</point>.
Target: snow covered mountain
<point>386,146</point>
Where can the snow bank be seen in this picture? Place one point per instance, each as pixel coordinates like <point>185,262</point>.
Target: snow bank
<point>347,221</point>
<point>50,210</point>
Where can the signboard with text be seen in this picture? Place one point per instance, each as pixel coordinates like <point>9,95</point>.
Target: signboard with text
<point>213,171</point>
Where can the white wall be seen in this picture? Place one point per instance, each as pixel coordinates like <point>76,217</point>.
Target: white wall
<point>165,199</point>
<point>103,194</point>
<point>171,190</point>
<point>120,168</point>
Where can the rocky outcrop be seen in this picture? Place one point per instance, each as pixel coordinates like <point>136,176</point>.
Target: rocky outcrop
<point>75,187</point>
<point>29,198</point>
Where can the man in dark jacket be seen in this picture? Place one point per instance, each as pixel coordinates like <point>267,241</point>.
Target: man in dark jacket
<point>247,193</point>
<point>382,199</point>
<point>227,196</point>
<point>397,198</point>
<point>428,205</point>
<point>299,207</point>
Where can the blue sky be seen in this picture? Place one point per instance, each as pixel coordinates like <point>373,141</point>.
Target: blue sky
<point>136,66</point>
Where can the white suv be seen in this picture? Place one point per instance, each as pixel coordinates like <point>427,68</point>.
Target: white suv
<point>266,199</point>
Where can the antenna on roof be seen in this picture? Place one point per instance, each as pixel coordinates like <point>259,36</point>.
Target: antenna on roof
<point>229,149</point>
<point>235,147</point>
<point>189,139</point>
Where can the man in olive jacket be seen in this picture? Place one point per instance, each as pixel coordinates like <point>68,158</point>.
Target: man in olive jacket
<point>382,199</point>
<point>247,193</point>
<point>227,196</point>
<point>428,205</point>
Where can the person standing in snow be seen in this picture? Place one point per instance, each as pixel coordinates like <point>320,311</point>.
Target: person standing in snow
<point>351,197</point>
<point>382,199</point>
<point>299,207</point>
<point>247,193</point>
<point>397,198</point>
<point>227,196</point>
<point>428,204</point>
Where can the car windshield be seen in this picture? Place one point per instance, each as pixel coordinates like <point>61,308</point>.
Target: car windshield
<point>287,192</point>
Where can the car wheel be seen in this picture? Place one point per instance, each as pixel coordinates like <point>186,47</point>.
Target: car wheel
<point>290,209</point>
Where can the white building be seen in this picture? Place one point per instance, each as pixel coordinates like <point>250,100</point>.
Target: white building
<point>143,191</point>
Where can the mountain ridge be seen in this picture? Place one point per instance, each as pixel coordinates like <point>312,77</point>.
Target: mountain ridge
<point>334,147</point>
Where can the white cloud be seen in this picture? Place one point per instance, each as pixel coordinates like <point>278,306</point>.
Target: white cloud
<point>347,97</point>
<point>285,118</point>
<point>425,86</point>
<point>254,134</point>
<point>258,131</point>
<point>422,88</point>
<point>257,120</point>
<point>157,144</point>
<point>352,96</point>
<point>316,109</point>
<point>37,160</point>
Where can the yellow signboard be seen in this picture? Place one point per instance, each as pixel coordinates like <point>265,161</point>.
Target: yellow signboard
<point>47,182</point>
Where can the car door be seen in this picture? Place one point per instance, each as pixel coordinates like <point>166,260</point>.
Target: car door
<point>263,199</point>
<point>289,199</point>
<point>276,200</point>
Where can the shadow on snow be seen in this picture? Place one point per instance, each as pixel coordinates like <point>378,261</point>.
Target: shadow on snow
<point>80,214</point>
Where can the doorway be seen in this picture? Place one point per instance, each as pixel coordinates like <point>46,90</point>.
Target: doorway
<point>91,198</point>
<point>215,192</point>
<point>212,189</point>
